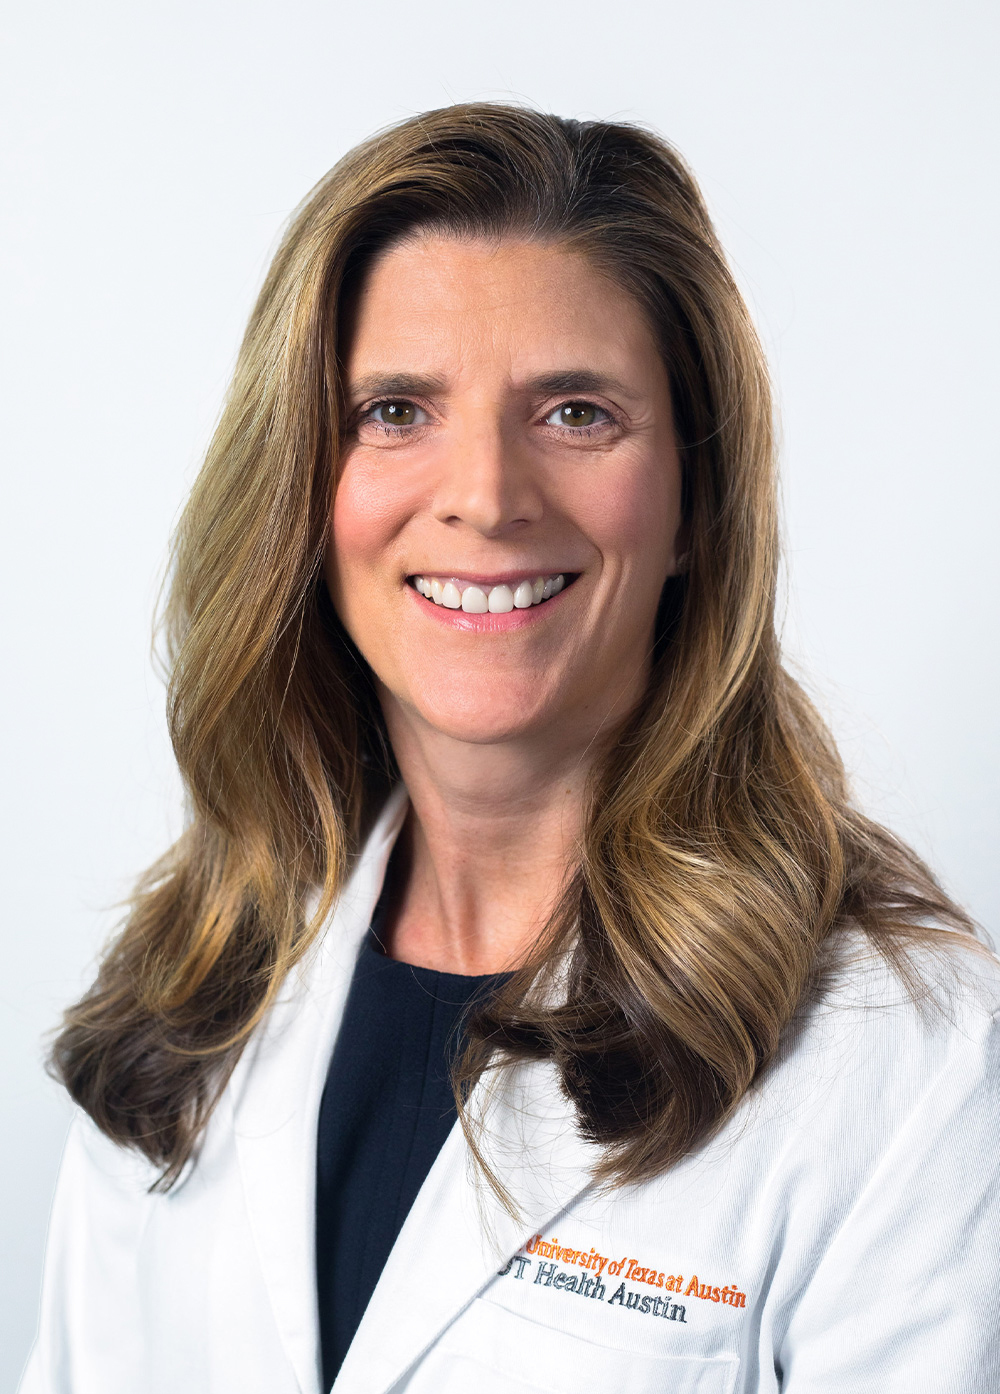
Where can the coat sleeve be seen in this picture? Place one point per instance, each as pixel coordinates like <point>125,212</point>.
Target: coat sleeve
<point>89,1322</point>
<point>905,1298</point>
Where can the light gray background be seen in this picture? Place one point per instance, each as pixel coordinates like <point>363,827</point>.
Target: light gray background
<point>848,151</point>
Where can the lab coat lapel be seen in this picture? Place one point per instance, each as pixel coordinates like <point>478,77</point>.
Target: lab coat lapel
<point>458,1235</point>
<point>276,1093</point>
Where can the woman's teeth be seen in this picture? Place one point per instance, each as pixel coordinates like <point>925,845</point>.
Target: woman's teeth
<point>498,600</point>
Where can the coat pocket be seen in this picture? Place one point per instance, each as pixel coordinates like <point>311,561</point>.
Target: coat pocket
<point>494,1351</point>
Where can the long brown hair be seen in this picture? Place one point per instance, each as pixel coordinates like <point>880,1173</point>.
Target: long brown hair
<point>720,850</point>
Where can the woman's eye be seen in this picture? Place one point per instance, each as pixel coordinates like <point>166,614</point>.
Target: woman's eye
<point>396,414</point>
<point>576,414</point>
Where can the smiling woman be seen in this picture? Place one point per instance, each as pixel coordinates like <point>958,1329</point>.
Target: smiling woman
<point>526,1005</point>
<point>498,489</point>
<point>492,488</point>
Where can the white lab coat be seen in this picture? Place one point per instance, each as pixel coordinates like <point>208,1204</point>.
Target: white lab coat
<point>840,1234</point>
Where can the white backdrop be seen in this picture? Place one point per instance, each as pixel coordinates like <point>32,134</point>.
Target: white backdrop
<point>849,153</point>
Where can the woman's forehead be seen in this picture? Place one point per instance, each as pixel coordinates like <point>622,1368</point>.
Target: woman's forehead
<point>446,307</point>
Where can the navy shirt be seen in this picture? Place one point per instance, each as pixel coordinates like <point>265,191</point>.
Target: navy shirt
<point>387,1108</point>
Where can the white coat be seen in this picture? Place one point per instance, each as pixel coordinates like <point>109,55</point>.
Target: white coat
<point>841,1233</point>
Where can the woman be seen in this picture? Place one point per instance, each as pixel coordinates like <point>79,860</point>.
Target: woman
<point>496,780</point>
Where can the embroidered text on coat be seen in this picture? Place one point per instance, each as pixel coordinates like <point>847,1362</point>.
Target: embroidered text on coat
<point>588,1283</point>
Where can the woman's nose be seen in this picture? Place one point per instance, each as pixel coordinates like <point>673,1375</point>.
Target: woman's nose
<point>487,481</point>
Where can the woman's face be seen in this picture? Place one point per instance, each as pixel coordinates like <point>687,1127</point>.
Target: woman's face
<point>509,424</point>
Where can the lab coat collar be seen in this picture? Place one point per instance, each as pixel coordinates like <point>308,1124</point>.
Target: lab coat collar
<point>458,1234</point>
<point>275,1095</point>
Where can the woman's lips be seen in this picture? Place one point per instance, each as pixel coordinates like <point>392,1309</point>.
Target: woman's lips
<point>488,608</point>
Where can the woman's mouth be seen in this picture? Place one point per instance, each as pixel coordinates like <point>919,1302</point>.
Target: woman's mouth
<point>453,593</point>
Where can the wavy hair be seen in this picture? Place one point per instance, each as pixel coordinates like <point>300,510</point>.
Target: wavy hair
<point>720,850</point>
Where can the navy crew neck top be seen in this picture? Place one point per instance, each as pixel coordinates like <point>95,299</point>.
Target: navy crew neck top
<point>387,1108</point>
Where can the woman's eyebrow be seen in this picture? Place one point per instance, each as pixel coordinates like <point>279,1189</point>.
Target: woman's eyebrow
<point>393,385</point>
<point>544,385</point>
<point>577,380</point>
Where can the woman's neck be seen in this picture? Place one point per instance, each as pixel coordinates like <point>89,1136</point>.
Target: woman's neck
<point>491,837</point>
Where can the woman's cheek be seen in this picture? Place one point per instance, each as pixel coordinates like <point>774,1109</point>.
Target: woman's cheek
<point>352,553</point>
<point>367,512</point>
<point>633,518</point>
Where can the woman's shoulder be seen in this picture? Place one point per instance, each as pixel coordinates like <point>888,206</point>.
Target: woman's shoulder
<point>878,1033</point>
<point>884,1106</point>
<point>943,985</point>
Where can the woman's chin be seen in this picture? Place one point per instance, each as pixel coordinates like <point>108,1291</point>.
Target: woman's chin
<point>493,715</point>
